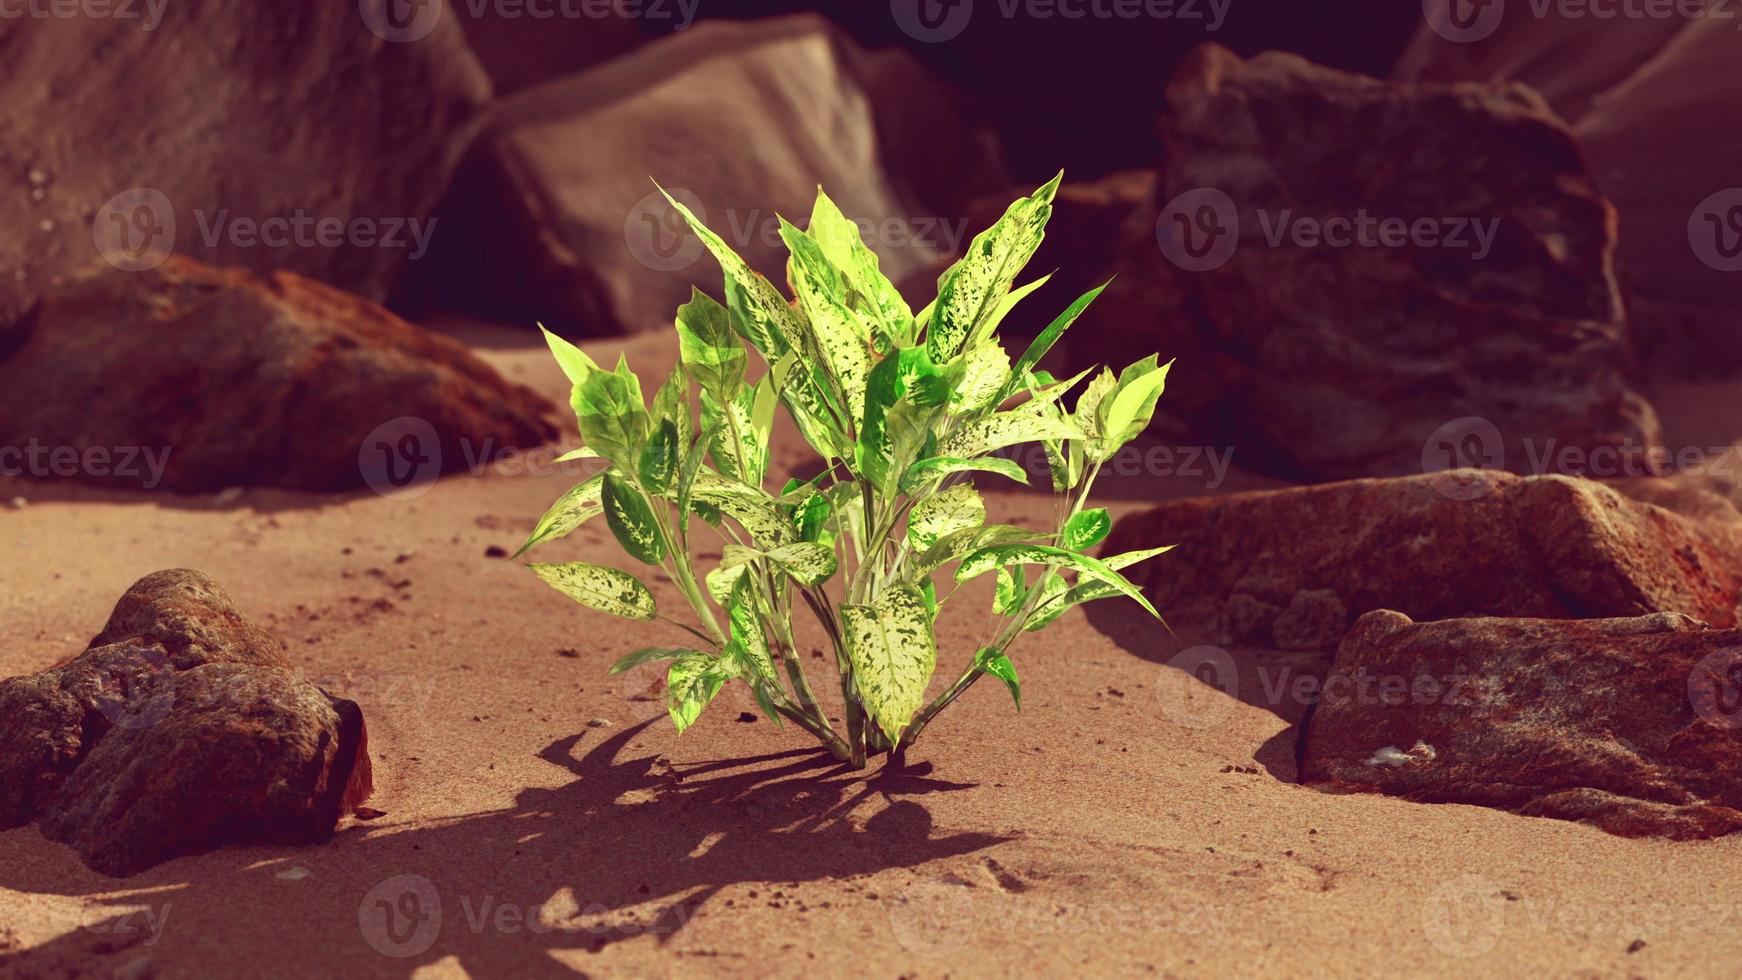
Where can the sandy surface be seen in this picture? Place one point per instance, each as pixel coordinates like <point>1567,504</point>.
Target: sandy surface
<point>1131,820</point>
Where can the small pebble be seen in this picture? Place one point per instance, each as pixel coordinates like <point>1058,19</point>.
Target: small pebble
<point>495,551</point>
<point>599,723</point>
<point>294,874</point>
<point>569,653</point>
<point>404,556</point>
<point>746,717</point>
<point>18,503</point>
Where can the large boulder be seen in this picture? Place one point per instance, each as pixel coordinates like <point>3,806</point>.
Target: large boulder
<point>196,127</point>
<point>190,379</point>
<point>555,216</point>
<point>181,728</point>
<point>1631,725</point>
<point>1641,94</point>
<point>1335,303</point>
<point>1460,543</point>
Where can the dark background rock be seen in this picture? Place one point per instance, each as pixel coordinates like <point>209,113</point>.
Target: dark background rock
<point>1324,362</point>
<point>1605,721</point>
<point>1466,543</point>
<point>273,381</point>
<point>179,729</point>
<point>229,111</point>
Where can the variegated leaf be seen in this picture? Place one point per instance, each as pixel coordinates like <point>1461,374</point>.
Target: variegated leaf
<point>970,290</point>
<point>894,653</point>
<point>597,587</point>
<point>571,510</point>
<point>956,509</point>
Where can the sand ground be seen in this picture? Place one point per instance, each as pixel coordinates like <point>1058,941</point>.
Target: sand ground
<point>1131,820</point>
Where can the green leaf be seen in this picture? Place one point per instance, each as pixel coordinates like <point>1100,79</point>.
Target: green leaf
<point>842,334</point>
<point>1051,586</point>
<point>872,290</point>
<point>690,685</point>
<point>995,432</point>
<point>1132,404</point>
<point>632,520</point>
<point>612,417</point>
<point>920,473</point>
<point>751,507</point>
<point>712,354</point>
<point>649,655</point>
<point>1011,591</point>
<point>963,543</point>
<point>989,326</point>
<point>956,509</point>
<point>907,373</point>
<point>759,312</point>
<point>659,458</point>
<point>999,666</point>
<point>747,633</point>
<point>970,290</point>
<point>575,363</point>
<point>1054,330</point>
<point>571,510</point>
<point>805,561</point>
<point>986,559</point>
<point>739,445</point>
<point>597,587</point>
<point>721,580</point>
<point>1090,591</point>
<point>988,368</point>
<point>585,452</point>
<point>671,403</point>
<point>893,652</point>
<point>1085,529</point>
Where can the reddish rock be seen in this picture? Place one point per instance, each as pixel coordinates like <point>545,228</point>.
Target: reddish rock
<point>1462,543</point>
<point>555,216</point>
<point>1630,725</point>
<point>1321,361</point>
<point>233,114</point>
<point>1641,94</point>
<point>180,729</point>
<point>219,379</point>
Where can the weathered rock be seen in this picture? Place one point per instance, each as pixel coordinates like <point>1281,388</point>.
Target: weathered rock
<point>181,728</point>
<point>1462,543</point>
<point>555,217</point>
<point>233,114</point>
<point>1324,361</point>
<point>1631,725</point>
<point>1641,94</point>
<point>224,379</point>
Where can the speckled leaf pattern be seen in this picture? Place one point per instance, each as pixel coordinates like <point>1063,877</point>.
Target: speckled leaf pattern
<point>647,655</point>
<point>571,510</point>
<point>597,587</point>
<point>747,632</point>
<point>937,467</point>
<point>970,290</point>
<point>631,520</point>
<point>999,666</point>
<point>709,350</point>
<point>805,561</point>
<point>690,685</point>
<point>755,510</point>
<point>995,432</point>
<point>986,559</point>
<point>1090,591</point>
<point>842,335</point>
<point>893,652</point>
<point>956,509</point>
<point>1085,529</point>
<point>872,290</point>
<point>769,323</point>
<point>988,367</point>
<point>1009,592</point>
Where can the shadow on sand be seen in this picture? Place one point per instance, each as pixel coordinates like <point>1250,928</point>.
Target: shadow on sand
<point>630,847</point>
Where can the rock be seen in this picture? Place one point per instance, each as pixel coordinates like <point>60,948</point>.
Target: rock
<point>1498,545</point>
<point>197,379</point>
<point>519,51</point>
<point>1325,362</point>
<point>1631,725</point>
<point>555,216</point>
<point>181,728</point>
<point>230,115</point>
<point>1640,94</point>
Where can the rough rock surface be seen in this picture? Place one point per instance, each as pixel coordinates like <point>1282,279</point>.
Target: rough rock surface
<point>554,215</point>
<point>1641,94</point>
<point>1325,361</point>
<point>1631,725</point>
<point>233,114</point>
<point>181,728</point>
<point>245,381</point>
<point>1461,543</point>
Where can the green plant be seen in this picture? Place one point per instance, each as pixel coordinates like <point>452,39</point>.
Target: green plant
<point>901,409</point>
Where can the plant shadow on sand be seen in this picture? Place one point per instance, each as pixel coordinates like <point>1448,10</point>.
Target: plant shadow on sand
<point>638,845</point>
<point>1280,682</point>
